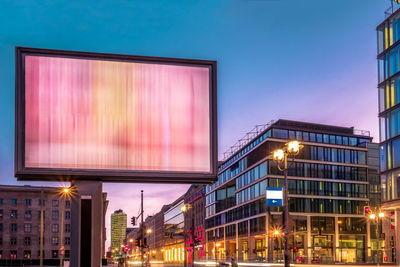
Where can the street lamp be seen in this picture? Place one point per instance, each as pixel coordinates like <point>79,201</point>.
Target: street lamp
<point>377,219</point>
<point>280,156</point>
<point>65,192</point>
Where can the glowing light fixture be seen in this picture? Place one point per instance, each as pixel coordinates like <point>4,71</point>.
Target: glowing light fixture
<point>381,214</point>
<point>278,154</point>
<point>372,216</point>
<point>293,146</point>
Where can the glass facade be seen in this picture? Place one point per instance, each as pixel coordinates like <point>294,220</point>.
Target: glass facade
<point>328,186</point>
<point>389,104</point>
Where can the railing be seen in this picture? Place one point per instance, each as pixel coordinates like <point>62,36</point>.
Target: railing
<point>245,140</point>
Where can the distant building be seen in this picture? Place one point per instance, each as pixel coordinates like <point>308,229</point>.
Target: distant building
<point>118,230</point>
<point>174,238</point>
<point>195,223</point>
<point>20,222</point>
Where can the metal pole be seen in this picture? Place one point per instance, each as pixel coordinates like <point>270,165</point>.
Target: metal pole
<point>215,248</point>
<point>193,248</point>
<point>286,215</point>
<point>377,243</point>
<point>184,248</point>
<point>62,231</point>
<point>141,229</point>
<point>41,227</point>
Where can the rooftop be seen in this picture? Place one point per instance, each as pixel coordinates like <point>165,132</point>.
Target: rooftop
<point>259,129</point>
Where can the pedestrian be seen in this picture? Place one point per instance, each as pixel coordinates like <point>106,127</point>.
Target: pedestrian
<point>233,263</point>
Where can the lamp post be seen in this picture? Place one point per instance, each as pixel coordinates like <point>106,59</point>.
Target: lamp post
<point>65,192</point>
<point>377,218</point>
<point>281,157</point>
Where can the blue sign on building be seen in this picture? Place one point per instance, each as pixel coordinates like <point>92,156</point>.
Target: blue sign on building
<point>274,196</point>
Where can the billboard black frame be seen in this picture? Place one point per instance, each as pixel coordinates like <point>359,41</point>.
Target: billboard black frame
<point>108,175</point>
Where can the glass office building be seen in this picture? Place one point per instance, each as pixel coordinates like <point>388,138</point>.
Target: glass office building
<point>328,186</point>
<point>388,34</point>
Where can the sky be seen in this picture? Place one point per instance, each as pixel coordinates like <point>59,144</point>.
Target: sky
<point>306,60</point>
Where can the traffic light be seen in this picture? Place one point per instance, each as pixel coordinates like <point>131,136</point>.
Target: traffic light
<point>367,209</point>
<point>133,221</point>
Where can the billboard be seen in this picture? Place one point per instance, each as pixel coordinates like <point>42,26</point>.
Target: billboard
<point>114,117</point>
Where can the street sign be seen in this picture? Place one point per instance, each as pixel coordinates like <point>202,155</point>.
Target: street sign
<point>274,196</point>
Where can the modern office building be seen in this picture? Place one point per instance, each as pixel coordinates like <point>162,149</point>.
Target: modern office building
<point>328,186</point>
<point>118,231</point>
<point>389,118</point>
<point>174,233</point>
<point>20,208</point>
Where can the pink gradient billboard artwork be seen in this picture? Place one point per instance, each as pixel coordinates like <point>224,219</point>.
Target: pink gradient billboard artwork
<point>115,115</point>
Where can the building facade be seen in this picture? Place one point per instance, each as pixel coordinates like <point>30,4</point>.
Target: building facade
<point>20,222</point>
<point>194,223</point>
<point>20,209</point>
<point>388,34</point>
<point>328,187</point>
<point>118,231</point>
<point>174,233</point>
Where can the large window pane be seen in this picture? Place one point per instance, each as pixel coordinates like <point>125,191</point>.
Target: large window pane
<point>396,153</point>
<point>383,158</point>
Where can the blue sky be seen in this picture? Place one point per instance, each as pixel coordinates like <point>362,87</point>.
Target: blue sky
<point>296,59</point>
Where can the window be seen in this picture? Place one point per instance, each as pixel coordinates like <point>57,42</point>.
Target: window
<point>54,215</point>
<point>396,153</point>
<point>44,214</point>
<point>67,254</point>
<point>40,202</point>
<point>14,214</point>
<point>27,227</point>
<point>55,203</point>
<point>1,214</point>
<point>44,241</point>
<point>67,241</point>
<point>13,241</point>
<point>1,254</point>
<point>44,228</point>
<point>13,254</point>
<point>67,215</point>
<point>28,215</point>
<point>28,202</point>
<point>54,228</point>
<point>1,201</point>
<point>13,201</point>
<point>54,240</point>
<point>27,254</point>
<point>67,203</point>
<point>67,228</point>
<point>1,240</point>
<point>13,227</point>
<point>54,254</point>
<point>1,227</point>
<point>27,241</point>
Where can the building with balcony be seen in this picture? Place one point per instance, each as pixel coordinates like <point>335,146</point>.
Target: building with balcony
<point>328,185</point>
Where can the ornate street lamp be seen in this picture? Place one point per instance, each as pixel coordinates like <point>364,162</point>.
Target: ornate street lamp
<point>281,156</point>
